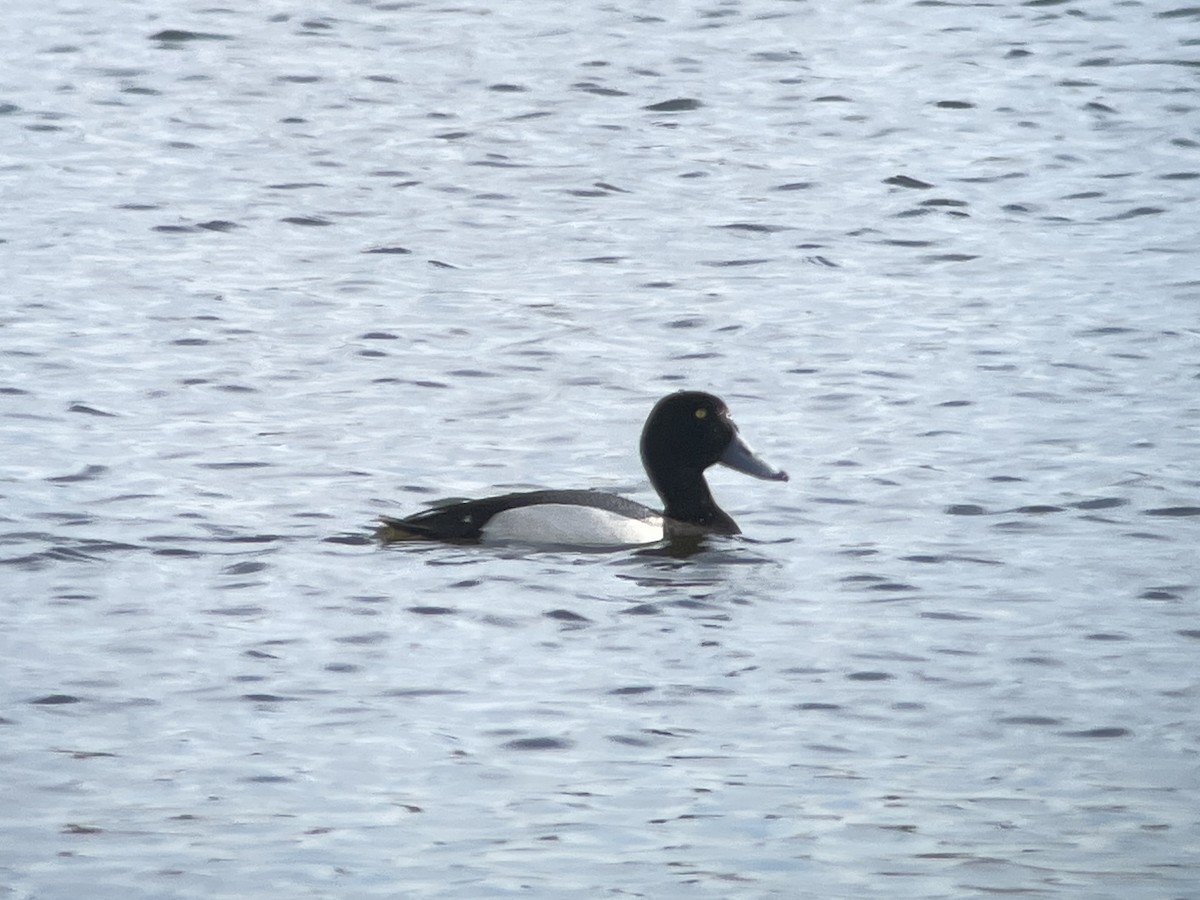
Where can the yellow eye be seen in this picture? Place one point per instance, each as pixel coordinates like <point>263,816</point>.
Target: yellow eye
<point>701,413</point>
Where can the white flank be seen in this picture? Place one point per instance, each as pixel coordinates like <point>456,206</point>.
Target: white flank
<point>565,523</point>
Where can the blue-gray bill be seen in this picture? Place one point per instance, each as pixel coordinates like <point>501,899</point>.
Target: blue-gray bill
<point>740,457</point>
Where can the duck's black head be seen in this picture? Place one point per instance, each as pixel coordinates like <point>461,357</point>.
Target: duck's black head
<point>686,433</point>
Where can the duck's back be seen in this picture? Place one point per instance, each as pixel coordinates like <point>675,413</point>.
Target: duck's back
<point>552,517</point>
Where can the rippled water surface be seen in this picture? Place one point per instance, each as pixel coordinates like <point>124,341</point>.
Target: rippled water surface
<point>269,273</point>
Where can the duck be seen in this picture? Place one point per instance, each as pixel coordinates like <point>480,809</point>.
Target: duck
<point>685,433</point>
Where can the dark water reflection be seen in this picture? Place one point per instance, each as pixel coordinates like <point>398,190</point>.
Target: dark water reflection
<point>270,275</point>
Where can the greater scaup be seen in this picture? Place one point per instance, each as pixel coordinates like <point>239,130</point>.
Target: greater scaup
<point>685,433</point>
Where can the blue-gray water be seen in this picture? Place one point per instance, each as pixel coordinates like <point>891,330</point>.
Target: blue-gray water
<point>269,273</point>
